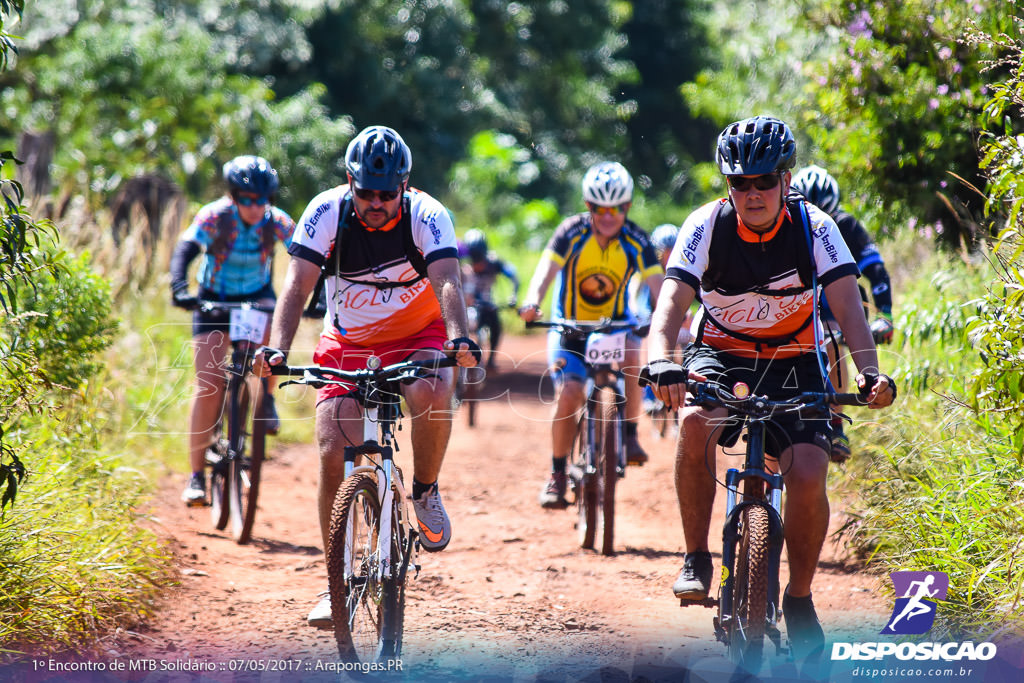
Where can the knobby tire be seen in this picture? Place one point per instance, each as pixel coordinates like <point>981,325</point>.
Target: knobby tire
<point>220,474</point>
<point>607,466</point>
<point>358,601</point>
<point>587,489</point>
<point>245,468</point>
<point>750,589</point>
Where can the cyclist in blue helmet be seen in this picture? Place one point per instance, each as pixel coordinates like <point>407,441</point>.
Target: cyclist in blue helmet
<point>387,254</point>
<point>819,188</point>
<point>758,258</point>
<point>236,235</point>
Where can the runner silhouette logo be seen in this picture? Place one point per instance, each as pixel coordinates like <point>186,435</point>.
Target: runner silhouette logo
<point>914,613</point>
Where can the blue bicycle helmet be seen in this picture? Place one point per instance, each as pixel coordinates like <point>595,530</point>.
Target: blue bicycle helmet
<point>251,174</point>
<point>378,159</point>
<point>757,146</point>
<point>818,186</point>
<point>664,237</point>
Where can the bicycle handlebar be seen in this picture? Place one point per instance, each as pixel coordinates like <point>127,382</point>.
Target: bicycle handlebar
<point>711,395</point>
<point>208,306</point>
<point>584,328</point>
<point>318,376</point>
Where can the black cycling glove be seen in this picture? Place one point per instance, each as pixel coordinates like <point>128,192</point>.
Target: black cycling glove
<point>182,299</point>
<point>474,348</point>
<point>870,379</point>
<point>270,352</point>
<point>663,372</point>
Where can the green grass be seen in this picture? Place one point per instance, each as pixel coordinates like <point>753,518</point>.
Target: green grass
<point>76,555</point>
<point>937,486</point>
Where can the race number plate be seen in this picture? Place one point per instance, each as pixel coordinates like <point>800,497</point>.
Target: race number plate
<point>248,325</point>
<point>606,348</point>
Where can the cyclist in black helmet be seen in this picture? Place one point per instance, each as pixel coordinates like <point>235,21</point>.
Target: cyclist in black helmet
<point>236,235</point>
<point>478,278</point>
<point>389,256</point>
<point>758,257</point>
<point>819,188</point>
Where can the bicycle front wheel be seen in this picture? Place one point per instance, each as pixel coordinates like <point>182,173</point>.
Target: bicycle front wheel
<point>394,586</point>
<point>587,485</point>
<point>750,589</point>
<point>217,458</point>
<point>607,466</point>
<point>249,446</point>
<point>358,604</point>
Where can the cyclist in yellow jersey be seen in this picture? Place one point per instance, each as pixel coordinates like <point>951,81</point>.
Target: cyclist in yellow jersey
<point>591,258</point>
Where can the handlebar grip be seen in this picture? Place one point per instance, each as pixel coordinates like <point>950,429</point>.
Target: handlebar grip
<point>287,370</point>
<point>849,399</point>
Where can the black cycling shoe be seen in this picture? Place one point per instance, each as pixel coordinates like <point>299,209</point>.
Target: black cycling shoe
<point>806,637</point>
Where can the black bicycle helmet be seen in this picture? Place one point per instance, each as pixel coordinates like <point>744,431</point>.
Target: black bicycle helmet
<point>378,159</point>
<point>251,174</point>
<point>476,244</point>
<point>818,186</point>
<point>756,146</point>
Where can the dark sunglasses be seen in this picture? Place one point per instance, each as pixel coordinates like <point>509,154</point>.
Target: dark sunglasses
<point>243,200</point>
<point>610,210</point>
<point>368,195</point>
<point>761,182</point>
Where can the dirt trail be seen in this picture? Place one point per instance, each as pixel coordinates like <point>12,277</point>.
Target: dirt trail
<point>513,597</point>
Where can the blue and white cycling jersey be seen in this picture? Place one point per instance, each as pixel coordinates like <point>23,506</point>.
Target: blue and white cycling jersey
<point>241,265</point>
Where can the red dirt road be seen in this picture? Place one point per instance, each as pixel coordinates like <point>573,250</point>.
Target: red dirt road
<point>512,598</point>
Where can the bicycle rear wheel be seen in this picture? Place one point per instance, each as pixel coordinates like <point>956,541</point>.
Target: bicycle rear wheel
<point>750,589</point>
<point>357,594</point>
<point>249,447</point>
<point>607,466</point>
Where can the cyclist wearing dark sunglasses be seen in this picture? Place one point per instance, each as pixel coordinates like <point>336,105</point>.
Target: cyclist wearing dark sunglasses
<point>591,257</point>
<point>389,258</point>
<point>758,258</point>
<point>236,235</point>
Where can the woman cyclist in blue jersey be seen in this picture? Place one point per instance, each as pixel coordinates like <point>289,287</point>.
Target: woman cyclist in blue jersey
<point>235,235</point>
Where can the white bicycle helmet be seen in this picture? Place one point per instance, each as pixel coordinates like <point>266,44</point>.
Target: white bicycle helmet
<point>818,187</point>
<point>607,184</point>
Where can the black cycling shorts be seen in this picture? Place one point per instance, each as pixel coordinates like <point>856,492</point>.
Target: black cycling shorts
<point>778,378</point>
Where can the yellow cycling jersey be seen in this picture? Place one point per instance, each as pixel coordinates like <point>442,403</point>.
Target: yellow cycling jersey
<point>592,284</point>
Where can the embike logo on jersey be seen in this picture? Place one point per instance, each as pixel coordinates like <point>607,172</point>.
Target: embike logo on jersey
<point>310,225</point>
<point>914,614</point>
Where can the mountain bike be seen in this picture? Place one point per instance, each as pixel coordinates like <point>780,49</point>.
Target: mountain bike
<point>373,535</point>
<point>599,454</point>
<point>752,536</point>
<point>236,455</point>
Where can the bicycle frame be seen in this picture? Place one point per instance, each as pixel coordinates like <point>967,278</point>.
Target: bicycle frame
<point>379,417</point>
<point>604,376</point>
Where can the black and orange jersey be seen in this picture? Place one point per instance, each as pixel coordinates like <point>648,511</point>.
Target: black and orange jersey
<point>754,291</point>
<point>592,284</point>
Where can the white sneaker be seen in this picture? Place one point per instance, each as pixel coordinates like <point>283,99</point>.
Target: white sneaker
<point>320,617</point>
<point>194,494</point>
